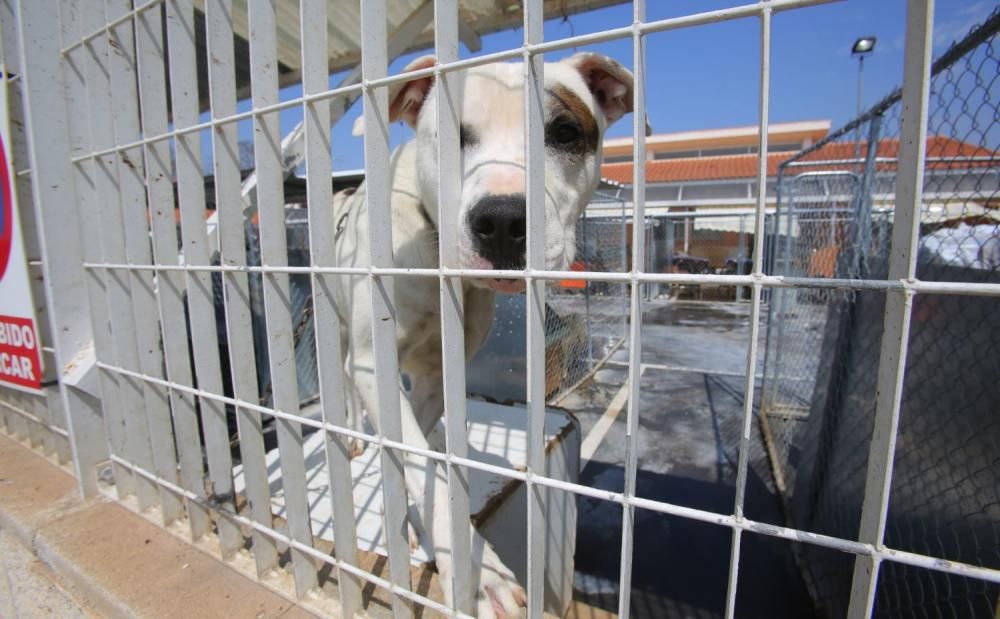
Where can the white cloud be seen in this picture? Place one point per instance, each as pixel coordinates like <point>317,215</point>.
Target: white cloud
<point>947,31</point>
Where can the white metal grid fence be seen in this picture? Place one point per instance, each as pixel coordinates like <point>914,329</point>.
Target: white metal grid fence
<point>111,150</point>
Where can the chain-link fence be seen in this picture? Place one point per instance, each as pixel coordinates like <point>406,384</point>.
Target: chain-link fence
<point>834,218</point>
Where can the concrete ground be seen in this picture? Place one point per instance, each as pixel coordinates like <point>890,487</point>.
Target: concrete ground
<point>690,420</point>
<point>691,415</point>
<point>61,556</point>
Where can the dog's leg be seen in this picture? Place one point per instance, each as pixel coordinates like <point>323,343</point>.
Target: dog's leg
<point>355,411</point>
<point>427,402</point>
<point>356,422</point>
<point>498,593</point>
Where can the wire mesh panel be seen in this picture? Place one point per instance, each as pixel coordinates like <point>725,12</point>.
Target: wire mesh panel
<point>259,321</point>
<point>809,237</point>
<point>945,479</point>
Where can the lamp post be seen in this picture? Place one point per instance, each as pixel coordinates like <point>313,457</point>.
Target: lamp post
<point>861,48</point>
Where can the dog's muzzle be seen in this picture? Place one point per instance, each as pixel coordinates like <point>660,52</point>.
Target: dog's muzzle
<point>497,227</point>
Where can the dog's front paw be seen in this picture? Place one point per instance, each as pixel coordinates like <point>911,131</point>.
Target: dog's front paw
<point>357,447</point>
<point>498,594</point>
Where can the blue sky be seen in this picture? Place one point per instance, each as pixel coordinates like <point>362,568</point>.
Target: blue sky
<point>707,77</point>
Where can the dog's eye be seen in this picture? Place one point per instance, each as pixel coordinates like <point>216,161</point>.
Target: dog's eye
<point>565,132</point>
<point>467,136</point>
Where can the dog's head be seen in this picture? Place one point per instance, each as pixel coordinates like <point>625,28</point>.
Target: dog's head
<point>583,95</point>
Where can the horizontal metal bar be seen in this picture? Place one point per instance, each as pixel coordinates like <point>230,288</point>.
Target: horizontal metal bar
<point>233,118</point>
<point>681,368</point>
<point>662,25</point>
<point>798,535</point>
<point>34,419</point>
<point>654,204</point>
<point>956,159</point>
<point>121,19</point>
<point>768,281</point>
<point>284,539</point>
<point>687,21</point>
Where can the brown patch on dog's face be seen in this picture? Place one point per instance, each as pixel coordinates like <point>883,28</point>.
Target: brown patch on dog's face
<point>571,126</point>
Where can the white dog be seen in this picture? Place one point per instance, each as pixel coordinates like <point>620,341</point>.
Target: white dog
<point>583,95</point>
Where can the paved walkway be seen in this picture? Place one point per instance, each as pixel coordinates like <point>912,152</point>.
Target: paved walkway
<point>65,557</point>
<point>27,587</point>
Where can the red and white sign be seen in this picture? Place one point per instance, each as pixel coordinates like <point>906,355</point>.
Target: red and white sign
<point>20,359</point>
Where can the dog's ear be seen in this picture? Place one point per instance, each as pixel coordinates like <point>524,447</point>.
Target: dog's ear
<point>609,82</point>
<point>406,98</point>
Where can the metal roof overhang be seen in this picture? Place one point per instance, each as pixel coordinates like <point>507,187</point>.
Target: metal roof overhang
<point>410,21</point>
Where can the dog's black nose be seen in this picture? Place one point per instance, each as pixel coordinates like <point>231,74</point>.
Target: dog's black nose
<point>497,224</point>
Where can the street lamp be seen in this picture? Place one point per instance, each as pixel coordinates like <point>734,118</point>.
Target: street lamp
<point>861,48</point>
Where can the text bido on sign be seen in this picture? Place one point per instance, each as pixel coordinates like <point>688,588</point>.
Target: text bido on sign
<point>20,361</point>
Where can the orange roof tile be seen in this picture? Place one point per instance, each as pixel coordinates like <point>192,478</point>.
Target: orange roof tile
<point>695,168</point>
<point>745,166</point>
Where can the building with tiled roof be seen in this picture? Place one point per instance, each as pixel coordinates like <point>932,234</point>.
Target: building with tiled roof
<point>701,186</point>
<point>704,167</point>
<point>717,169</point>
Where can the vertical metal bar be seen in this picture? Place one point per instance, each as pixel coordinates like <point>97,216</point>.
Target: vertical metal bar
<point>784,296</point>
<point>232,252</point>
<point>16,424</point>
<point>35,31</point>
<point>97,188</point>
<point>739,255</point>
<point>449,112</point>
<point>623,237</point>
<point>134,216</point>
<point>45,436</point>
<point>790,220</point>
<point>49,407</point>
<point>635,309</point>
<point>8,423</point>
<point>277,307</point>
<point>758,262</point>
<point>30,232</point>
<point>36,431</point>
<point>112,235</point>
<point>898,304</point>
<point>143,328</point>
<point>170,284</point>
<point>374,65</point>
<point>316,127</point>
<point>863,242</point>
<point>586,297</point>
<point>292,151</point>
<point>534,127</point>
<point>200,296</point>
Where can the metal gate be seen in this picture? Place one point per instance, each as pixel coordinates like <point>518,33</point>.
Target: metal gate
<point>139,400</point>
